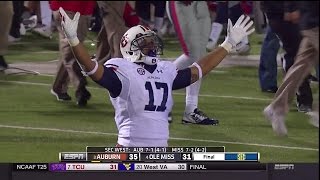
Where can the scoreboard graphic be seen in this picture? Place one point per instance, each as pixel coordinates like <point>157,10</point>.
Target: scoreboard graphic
<point>154,159</point>
<point>149,161</point>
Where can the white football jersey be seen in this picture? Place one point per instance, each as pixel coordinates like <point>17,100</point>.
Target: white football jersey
<point>142,108</point>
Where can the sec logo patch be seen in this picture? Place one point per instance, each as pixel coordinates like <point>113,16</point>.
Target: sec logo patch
<point>141,71</point>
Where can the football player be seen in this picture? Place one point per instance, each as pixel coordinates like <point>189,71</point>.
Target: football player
<point>140,85</point>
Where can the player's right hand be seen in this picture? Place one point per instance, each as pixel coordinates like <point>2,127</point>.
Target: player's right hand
<point>236,33</point>
<point>70,26</point>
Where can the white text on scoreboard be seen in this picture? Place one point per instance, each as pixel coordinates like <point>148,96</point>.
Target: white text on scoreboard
<point>91,166</point>
<point>215,156</point>
<point>160,166</point>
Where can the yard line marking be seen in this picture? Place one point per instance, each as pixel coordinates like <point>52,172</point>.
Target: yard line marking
<point>175,93</point>
<point>47,75</point>
<point>218,71</point>
<point>56,60</point>
<point>231,97</point>
<point>172,138</point>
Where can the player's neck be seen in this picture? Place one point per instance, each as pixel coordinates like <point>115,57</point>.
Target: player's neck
<point>150,68</point>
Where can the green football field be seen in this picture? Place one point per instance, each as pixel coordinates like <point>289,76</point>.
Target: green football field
<point>34,127</point>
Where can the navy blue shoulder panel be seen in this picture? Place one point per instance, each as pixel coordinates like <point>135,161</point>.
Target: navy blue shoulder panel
<point>183,79</point>
<point>111,82</point>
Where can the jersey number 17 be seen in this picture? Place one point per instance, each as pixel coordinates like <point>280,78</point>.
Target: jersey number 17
<point>151,106</point>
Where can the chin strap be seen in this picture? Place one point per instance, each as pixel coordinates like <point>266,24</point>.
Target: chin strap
<point>150,60</point>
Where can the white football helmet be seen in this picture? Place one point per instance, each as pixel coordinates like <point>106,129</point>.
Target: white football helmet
<point>140,44</point>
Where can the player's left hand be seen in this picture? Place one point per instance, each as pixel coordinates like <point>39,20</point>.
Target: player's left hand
<point>70,26</point>
<point>243,27</point>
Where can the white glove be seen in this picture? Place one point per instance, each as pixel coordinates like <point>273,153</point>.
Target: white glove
<point>237,32</point>
<point>69,26</point>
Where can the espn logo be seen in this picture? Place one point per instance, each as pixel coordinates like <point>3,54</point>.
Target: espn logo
<point>72,156</point>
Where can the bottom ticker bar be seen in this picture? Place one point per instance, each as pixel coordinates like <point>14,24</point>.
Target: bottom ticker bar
<point>275,171</point>
<point>226,166</point>
<point>190,166</point>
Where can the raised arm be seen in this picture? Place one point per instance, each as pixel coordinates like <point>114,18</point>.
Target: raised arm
<point>89,67</point>
<point>235,34</point>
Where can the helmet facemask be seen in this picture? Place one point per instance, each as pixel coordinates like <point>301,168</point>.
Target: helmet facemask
<point>150,45</point>
<point>140,44</point>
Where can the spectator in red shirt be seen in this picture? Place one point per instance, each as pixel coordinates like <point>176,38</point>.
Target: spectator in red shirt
<point>130,16</point>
